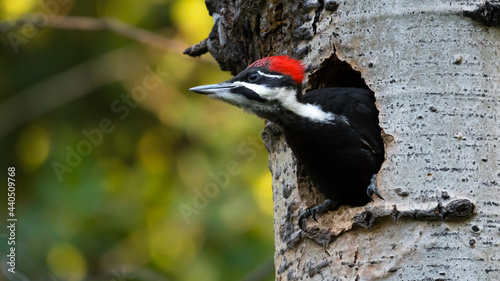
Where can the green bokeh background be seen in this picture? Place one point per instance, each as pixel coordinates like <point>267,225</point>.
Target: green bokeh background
<point>116,214</point>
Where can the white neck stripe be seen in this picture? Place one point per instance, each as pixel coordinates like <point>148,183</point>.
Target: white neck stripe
<point>288,99</point>
<point>311,111</point>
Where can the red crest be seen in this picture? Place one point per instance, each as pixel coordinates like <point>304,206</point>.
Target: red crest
<point>282,64</point>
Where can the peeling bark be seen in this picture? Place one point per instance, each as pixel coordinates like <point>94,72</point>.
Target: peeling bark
<point>435,73</point>
<point>198,49</point>
<point>487,13</point>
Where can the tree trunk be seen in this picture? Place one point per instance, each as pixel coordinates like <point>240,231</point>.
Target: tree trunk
<point>434,68</point>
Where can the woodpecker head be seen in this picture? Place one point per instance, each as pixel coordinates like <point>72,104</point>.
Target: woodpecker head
<point>269,88</point>
<point>262,86</point>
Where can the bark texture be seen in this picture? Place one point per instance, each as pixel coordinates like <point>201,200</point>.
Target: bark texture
<point>435,70</point>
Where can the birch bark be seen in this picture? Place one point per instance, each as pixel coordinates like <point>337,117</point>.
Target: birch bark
<point>435,72</point>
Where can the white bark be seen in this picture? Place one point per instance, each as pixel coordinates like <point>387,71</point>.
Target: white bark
<point>436,77</point>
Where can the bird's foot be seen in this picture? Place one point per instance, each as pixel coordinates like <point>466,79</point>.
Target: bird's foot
<point>372,188</point>
<point>322,208</point>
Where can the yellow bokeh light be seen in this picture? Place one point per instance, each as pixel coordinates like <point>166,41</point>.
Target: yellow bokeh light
<point>263,193</point>
<point>172,245</point>
<point>66,262</point>
<point>192,19</point>
<point>152,153</point>
<point>115,169</point>
<point>33,146</point>
<point>15,9</point>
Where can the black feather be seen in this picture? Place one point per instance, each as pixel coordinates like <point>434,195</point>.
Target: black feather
<point>340,157</point>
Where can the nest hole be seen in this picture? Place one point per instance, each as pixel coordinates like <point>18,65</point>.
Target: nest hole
<point>336,73</point>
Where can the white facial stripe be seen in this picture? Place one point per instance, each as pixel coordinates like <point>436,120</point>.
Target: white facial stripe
<point>269,75</point>
<point>286,96</point>
<point>261,90</point>
<point>314,112</point>
<point>227,96</point>
<point>240,101</point>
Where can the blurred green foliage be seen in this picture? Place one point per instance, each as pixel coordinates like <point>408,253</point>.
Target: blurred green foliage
<point>115,214</point>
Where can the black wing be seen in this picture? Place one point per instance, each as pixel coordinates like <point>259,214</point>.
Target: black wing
<point>357,105</point>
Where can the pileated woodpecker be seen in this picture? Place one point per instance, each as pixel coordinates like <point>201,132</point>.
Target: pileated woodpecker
<point>333,132</point>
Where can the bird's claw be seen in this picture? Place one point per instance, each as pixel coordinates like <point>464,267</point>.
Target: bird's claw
<point>372,188</point>
<point>307,213</point>
<point>318,210</point>
<point>314,211</point>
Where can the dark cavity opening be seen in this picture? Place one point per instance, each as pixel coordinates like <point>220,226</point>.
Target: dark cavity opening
<point>336,73</point>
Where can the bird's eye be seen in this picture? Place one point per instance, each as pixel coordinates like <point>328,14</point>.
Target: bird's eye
<point>253,76</point>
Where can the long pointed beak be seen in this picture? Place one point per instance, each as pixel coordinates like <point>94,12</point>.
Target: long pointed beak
<point>212,89</point>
